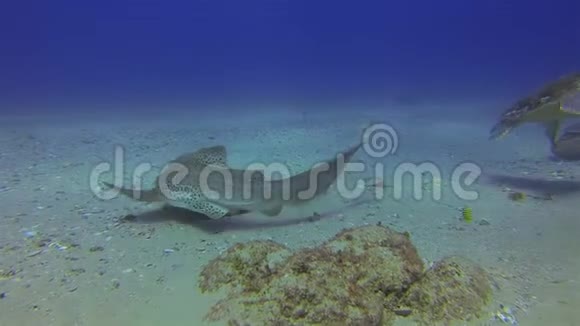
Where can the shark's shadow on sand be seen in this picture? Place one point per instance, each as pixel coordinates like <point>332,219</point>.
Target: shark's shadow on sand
<point>536,185</point>
<point>199,221</point>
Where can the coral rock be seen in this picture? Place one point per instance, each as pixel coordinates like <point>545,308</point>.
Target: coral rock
<point>453,289</point>
<point>244,266</point>
<point>355,278</point>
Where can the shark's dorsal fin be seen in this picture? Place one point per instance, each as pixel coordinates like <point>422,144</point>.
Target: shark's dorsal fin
<point>214,155</point>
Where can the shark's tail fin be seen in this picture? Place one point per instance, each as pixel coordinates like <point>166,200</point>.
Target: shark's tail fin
<point>149,195</point>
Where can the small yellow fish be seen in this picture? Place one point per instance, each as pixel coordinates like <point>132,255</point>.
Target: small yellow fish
<point>467,214</point>
<point>518,196</point>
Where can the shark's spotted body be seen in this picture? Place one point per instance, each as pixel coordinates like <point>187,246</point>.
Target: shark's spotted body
<point>202,182</point>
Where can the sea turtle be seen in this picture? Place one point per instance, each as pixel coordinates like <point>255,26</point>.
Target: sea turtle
<point>555,102</point>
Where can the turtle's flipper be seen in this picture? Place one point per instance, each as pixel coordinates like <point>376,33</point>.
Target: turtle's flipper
<point>568,146</point>
<point>552,130</point>
<point>553,126</point>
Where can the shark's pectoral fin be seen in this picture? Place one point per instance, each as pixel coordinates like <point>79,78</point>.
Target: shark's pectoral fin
<point>191,198</point>
<point>272,211</point>
<point>209,209</point>
<point>213,211</point>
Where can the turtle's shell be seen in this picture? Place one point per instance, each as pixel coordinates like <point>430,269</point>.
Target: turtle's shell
<point>551,92</point>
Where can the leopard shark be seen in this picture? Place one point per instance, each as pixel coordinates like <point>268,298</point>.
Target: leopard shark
<point>202,182</point>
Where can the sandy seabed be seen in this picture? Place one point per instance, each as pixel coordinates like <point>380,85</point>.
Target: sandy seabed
<point>70,258</point>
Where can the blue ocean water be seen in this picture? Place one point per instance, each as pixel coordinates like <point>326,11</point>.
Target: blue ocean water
<point>191,54</point>
<point>278,81</point>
